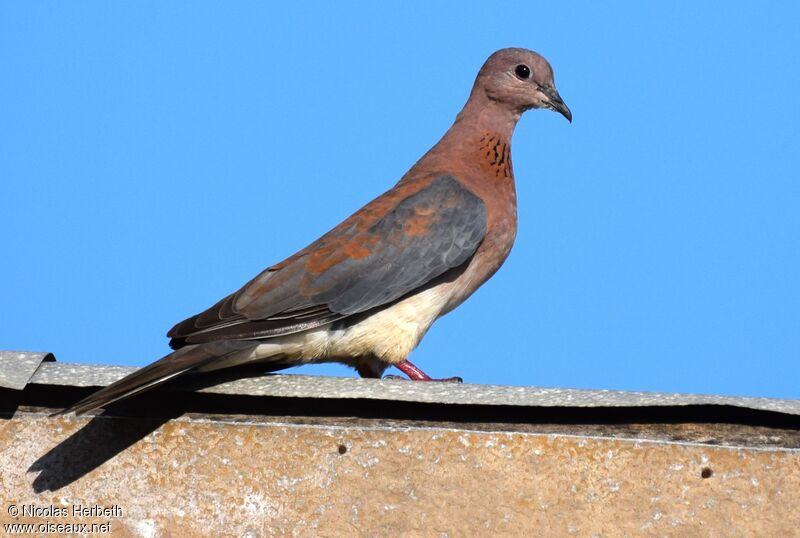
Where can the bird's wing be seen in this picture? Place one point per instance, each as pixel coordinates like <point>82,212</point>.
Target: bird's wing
<point>392,246</point>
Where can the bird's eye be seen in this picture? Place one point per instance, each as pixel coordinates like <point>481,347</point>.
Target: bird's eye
<point>523,71</point>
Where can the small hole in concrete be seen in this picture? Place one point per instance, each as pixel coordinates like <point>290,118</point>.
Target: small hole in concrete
<point>706,472</point>
<point>342,449</point>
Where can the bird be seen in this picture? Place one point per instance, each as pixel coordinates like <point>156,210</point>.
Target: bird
<point>366,292</point>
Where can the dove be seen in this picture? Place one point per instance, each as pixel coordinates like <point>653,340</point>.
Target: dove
<point>366,292</point>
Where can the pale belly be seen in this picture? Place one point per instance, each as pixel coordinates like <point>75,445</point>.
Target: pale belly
<point>386,337</point>
<point>392,333</point>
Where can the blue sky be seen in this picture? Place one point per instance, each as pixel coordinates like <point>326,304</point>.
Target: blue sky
<point>155,156</point>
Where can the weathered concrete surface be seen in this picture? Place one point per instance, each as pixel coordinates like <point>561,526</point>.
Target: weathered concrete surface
<point>18,367</point>
<point>328,387</point>
<point>196,476</point>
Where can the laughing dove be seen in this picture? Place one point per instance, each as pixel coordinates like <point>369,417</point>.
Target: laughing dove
<point>365,293</point>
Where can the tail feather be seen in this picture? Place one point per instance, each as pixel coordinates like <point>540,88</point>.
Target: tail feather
<point>176,363</point>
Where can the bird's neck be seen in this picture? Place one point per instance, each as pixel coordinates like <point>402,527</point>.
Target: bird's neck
<point>482,114</point>
<point>479,140</point>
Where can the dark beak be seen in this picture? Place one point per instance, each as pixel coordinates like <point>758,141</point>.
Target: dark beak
<point>555,102</point>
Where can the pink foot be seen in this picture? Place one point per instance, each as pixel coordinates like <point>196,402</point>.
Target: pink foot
<point>415,374</point>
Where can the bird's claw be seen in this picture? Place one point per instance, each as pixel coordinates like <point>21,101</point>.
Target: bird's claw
<point>415,374</point>
<point>454,379</point>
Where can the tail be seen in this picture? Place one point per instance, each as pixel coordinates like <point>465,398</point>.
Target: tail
<point>176,363</point>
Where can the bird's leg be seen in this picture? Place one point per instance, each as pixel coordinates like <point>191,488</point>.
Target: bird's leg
<point>370,366</point>
<point>365,370</point>
<point>415,374</point>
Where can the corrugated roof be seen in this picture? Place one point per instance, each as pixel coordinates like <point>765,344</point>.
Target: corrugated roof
<point>20,368</point>
<point>17,367</point>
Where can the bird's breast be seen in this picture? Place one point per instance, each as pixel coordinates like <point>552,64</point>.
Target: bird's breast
<point>499,196</point>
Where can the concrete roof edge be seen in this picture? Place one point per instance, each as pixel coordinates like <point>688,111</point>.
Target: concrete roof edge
<point>18,367</point>
<point>37,368</point>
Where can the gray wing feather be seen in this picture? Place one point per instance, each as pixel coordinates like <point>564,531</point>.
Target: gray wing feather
<point>423,236</point>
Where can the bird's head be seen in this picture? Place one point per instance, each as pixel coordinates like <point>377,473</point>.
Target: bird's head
<point>521,79</point>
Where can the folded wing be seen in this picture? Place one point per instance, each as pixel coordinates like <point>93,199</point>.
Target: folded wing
<point>391,247</point>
